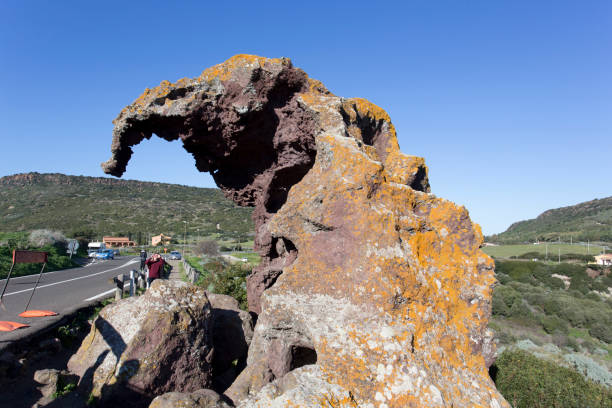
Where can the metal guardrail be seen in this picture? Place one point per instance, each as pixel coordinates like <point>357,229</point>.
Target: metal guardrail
<point>192,273</point>
<point>124,281</point>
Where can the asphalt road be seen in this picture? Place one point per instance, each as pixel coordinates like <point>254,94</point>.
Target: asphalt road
<point>61,291</point>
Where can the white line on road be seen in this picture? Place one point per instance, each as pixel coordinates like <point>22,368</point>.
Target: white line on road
<point>73,279</point>
<point>108,292</point>
<point>64,270</point>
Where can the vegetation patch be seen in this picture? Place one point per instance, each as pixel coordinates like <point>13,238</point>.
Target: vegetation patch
<point>570,328</point>
<point>52,242</point>
<point>529,382</point>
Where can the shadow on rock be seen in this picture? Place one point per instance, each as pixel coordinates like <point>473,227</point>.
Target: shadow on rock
<point>119,393</point>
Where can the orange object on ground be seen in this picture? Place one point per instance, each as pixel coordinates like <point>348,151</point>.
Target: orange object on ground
<point>10,326</point>
<point>37,313</point>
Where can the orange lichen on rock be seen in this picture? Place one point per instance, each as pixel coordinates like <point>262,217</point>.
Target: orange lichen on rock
<point>378,288</point>
<point>224,71</point>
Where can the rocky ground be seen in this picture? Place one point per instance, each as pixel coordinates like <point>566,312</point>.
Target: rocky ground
<point>30,370</point>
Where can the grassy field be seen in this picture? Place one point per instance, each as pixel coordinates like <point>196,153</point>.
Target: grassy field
<point>253,257</point>
<point>506,251</point>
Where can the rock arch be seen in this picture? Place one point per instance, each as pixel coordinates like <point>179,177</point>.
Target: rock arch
<point>251,122</point>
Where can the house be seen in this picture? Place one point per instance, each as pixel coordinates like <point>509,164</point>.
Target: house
<point>118,242</point>
<point>604,259</point>
<point>161,239</point>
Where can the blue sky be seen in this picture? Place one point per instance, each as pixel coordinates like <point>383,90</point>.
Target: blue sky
<point>510,102</point>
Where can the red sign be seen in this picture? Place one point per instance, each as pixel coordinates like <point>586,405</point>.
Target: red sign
<point>29,256</point>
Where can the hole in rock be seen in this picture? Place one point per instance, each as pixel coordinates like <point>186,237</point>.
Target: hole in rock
<point>282,247</point>
<point>282,182</point>
<point>301,356</point>
<point>493,372</point>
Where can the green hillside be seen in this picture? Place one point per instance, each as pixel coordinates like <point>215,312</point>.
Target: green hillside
<point>591,220</point>
<point>92,207</point>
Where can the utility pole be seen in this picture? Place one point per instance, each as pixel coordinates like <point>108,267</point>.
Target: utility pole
<point>547,251</point>
<point>588,246</point>
<point>185,239</point>
<point>559,255</point>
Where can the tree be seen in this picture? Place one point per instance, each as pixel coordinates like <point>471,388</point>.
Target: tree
<point>208,247</point>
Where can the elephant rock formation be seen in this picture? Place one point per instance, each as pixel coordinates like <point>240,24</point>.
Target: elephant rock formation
<point>372,292</point>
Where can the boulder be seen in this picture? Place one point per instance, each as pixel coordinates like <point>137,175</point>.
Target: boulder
<point>52,381</point>
<point>148,345</point>
<point>198,399</point>
<point>371,292</point>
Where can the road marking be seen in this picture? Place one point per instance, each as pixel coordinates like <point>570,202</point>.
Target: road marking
<point>73,279</point>
<point>108,292</point>
<point>64,270</point>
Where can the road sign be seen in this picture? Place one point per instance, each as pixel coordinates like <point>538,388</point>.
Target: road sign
<point>73,245</point>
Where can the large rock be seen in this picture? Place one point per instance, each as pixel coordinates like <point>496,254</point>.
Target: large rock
<point>372,292</point>
<point>148,345</point>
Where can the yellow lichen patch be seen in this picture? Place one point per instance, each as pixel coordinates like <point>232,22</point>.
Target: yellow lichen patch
<point>316,87</point>
<point>401,168</point>
<point>365,108</point>
<point>224,71</point>
<point>357,109</point>
<point>330,400</point>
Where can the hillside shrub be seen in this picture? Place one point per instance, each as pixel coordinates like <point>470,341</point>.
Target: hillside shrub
<point>226,280</point>
<point>529,382</point>
<point>560,340</point>
<point>520,309</point>
<point>499,307</point>
<point>502,278</point>
<point>592,296</point>
<point>552,324</point>
<point>44,237</point>
<point>602,331</point>
<point>506,294</point>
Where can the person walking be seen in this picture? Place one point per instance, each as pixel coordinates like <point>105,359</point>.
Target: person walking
<point>143,259</point>
<point>156,268</point>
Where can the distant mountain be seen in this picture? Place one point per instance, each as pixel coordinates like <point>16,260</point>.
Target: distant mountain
<point>591,220</point>
<point>97,206</point>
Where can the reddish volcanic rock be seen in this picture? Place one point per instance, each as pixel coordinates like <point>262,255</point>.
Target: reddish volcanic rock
<point>372,292</point>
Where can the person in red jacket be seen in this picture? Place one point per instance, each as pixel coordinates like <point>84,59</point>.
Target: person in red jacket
<point>156,268</point>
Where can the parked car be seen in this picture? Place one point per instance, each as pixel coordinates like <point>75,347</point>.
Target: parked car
<point>105,254</point>
<point>116,252</point>
<point>175,255</point>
